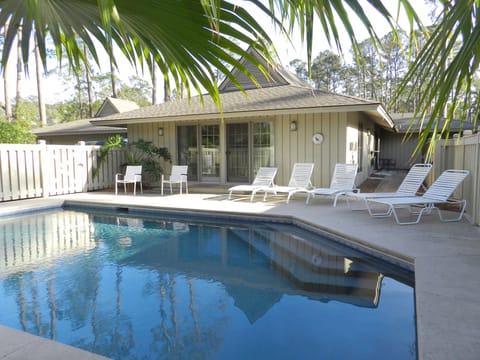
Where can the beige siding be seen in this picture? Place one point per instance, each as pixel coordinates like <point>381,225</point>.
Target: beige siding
<point>297,146</point>
<point>290,146</point>
<point>369,129</point>
<point>394,147</point>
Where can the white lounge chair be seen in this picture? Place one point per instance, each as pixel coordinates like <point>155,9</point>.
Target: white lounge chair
<point>408,187</point>
<point>438,193</point>
<point>343,181</point>
<point>133,175</point>
<point>263,178</point>
<point>300,181</point>
<point>178,176</point>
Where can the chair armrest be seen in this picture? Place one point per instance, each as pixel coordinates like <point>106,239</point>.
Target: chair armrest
<point>118,176</point>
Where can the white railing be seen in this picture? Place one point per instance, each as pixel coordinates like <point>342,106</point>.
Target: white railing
<point>463,153</point>
<point>29,171</point>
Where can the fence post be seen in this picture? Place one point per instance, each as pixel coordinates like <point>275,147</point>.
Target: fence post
<point>81,168</point>
<point>476,183</point>
<point>44,168</point>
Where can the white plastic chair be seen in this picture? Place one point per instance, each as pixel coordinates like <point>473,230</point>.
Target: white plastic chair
<point>343,181</point>
<point>178,176</point>
<point>408,187</point>
<point>300,181</point>
<point>438,193</point>
<point>133,175</point>
<point>263,178</point>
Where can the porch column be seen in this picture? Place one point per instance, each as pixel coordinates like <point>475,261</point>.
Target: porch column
<point>223,155</point>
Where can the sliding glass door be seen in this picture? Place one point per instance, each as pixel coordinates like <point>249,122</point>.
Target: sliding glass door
<point>249,146</point>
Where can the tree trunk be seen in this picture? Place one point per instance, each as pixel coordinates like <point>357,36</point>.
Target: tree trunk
<point>112,76</point>
<point>88,77</point>
<point>41,103</point>
<point>18,95</point>
<point>154,83</point>
<point>166,91</point>
<point>6,85</point>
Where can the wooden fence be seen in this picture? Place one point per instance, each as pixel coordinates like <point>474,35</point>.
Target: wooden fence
<point>29,171</point>
<point>463,153</point>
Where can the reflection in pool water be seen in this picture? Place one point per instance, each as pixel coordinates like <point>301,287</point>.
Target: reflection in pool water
<point>161,288</point>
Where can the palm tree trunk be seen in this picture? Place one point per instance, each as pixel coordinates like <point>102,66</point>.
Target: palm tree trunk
<point>6,85</point>
<point>88,77</point>
<point>41,103</point>
<point>113,78</point>
<point>18,95</point>
<point>166,91</point>
<point>154,83</point>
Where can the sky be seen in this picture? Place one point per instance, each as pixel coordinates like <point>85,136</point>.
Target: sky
<point>287,51</point>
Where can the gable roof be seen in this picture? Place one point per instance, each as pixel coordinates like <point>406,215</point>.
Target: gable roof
<point>402,123</point>
<point>85,127</point>
<point>77,127</point>
<point>113,105</point>
<point>281,93</point>
<point>286,99</point>
<point>278,76</point>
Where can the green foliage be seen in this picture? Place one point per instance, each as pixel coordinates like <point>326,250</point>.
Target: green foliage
<point>17,132</point>
<point>141,152</point>
<point>138,91</point>
<point>27,111</point>
<point>187,40</point>
<point>148,155</point>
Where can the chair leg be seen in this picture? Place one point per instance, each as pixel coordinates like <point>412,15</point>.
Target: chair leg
<point>186,187</point>
<point>308,197</point>
<point>116,188</point>
<point>134,189</point>
<point>125,188</point>
<point>141,188</point>
<point>463,205</point>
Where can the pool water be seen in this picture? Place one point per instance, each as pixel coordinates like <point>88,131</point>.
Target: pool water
<point>156,287</point>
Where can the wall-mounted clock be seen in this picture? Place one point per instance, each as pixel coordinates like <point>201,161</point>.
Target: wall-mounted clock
<point>317,138</point>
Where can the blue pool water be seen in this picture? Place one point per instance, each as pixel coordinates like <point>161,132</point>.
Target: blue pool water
<point>164,288</point>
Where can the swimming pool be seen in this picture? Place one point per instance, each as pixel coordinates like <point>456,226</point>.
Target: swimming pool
<point>160,287</point>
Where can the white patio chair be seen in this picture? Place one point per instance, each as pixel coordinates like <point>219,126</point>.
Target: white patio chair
<point>178,176</point>
<point>343,181</point>
<point>438,193</point>
<point>408,187</point>
<point>264,178</point>
<point>300,181</point>
<point>133,175</point>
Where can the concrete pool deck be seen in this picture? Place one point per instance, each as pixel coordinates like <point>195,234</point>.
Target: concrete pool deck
<point>445,258</point>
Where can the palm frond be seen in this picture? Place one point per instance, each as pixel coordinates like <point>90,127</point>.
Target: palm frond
<point>445,67</point>
<point>186,38</point>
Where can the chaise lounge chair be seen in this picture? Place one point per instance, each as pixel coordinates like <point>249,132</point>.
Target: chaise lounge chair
<point>178,176</point>
<point>133,175</point>
<point>438,193</point>
<point>264,178</point>
<point>343,181</point>
<point>299,182</point>
<point>409,186</point>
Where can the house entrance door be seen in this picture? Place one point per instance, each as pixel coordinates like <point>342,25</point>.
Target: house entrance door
<point>209,153</point>
<point>188,149</point>
<point>238,168</point>
<point>249,146</point>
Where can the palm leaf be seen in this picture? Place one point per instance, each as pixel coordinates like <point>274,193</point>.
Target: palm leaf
<point>186,38</point>
<point>445,67</point>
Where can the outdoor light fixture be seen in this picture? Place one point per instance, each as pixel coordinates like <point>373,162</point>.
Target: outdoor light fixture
<point>293,126</point>
<point>160,131</point>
